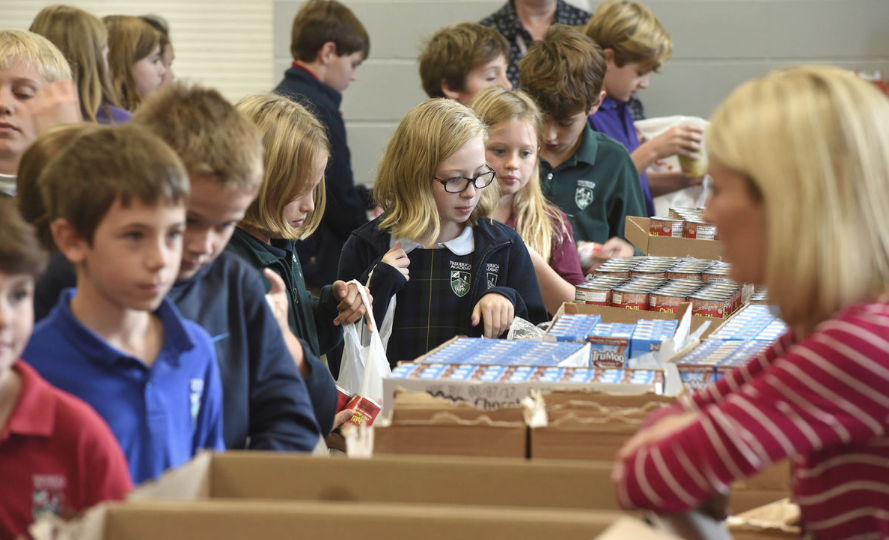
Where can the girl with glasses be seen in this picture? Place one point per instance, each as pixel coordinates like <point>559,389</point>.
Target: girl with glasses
<point>514,125</point>
<point>435,252</point>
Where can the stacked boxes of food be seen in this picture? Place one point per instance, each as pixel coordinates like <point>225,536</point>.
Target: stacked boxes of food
<point>683,223</point>
<point>480,351</point>
<point>612,344</point>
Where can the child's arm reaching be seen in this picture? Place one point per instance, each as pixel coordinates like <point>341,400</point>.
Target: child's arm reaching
<point>679,140</point>
<point>360,261</point>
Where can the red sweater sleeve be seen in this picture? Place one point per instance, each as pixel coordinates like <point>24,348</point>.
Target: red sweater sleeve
<point>821,393</point>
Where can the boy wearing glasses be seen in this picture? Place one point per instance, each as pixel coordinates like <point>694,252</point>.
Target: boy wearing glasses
<point>435,252</point>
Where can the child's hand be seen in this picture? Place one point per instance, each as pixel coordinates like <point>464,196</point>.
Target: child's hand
<point>397,258</point>
<point>615,248</point>
<point>277,298</point>
<point>497,312</point>
<point>679,140</point>
<point>351,307</point>
<point>55,104</point>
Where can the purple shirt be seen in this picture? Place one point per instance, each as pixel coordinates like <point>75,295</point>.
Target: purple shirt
<point>563,255</point>
<point>118,116</point>
<point>615,119</point>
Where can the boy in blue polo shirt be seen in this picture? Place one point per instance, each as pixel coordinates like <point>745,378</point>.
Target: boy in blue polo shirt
<point>634,44</point>
<point>116,199</point>
<point>588,175</point>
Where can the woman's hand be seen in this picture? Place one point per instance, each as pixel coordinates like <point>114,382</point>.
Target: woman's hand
<point>666,427</point>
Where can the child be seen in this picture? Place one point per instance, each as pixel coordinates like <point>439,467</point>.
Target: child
<point>296,156</point>
<point>168,54</point>
<point>514,124</point>
<point>116,198</point>
<point>56,455</point>
<point>587,175</point>
<point>34,160</point>
<point>35,94</point>
<point>134,57</point>
<point>464,269</point>
<point>635,44</point>
<point>462,59</point>
<point>265,400</point>
<point>328,44</point>
<point>83,39</point>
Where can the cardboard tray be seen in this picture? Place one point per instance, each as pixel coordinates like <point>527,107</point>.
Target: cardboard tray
<point>636,232</point>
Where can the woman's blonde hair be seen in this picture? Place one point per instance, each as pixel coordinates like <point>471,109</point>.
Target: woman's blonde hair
<point>534,215</point>
<point>82,38</point>
<point>292,137</point>
<point>430,133</point>
<point>46,58</point>
<point>814,143</point>
<point>130,39</point>
<point>28,198</point>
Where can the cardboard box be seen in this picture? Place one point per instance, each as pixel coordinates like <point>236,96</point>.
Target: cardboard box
<point>476,482</point>
<point>421,424</point>
<point>775,521</point>
<point>637,233</point>
<point>223,520</point>
<point>591,426</point>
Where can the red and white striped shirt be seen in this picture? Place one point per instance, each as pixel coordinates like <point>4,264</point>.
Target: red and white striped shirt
<point>824,402</point>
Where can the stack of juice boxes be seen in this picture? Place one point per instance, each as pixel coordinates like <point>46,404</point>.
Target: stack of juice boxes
<point>613,344</point>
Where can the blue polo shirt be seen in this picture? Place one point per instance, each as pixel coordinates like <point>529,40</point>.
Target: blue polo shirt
<point>615,119</point>
<point>161,415</point>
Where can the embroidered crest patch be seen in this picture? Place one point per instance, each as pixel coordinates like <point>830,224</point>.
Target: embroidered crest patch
<point>459,283</point>
<point>583,195</point>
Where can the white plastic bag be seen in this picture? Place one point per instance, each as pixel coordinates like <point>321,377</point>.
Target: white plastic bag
<point>691,197</point>
<point>364,363</point>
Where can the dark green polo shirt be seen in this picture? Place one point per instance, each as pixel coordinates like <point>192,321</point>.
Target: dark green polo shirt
<point>597,187</point>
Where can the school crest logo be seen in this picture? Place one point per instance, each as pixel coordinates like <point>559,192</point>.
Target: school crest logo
<point>492,280</point>
<point>583,195</point>
<point>196,390</point>
<point>48,495</point>
<point>459,282</point>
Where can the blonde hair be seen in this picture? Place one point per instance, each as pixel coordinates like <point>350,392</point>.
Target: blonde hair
<point>563,72</point>
<point>46,58</point>
<point>292,138</point>
<point>534,215</point>
<point>456,50</point>
<point>28,198</point>
<point>82,38</point>
<point>130,39</point>
<point>814,143</point>
<point>430,133</point>
<point>209,134</point>
<point>632,31</point>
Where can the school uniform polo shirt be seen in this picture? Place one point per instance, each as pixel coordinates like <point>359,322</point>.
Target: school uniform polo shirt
<point>161,414</point>
<point>56,457</point>
<point>597,187</point>
<point>615,119</point>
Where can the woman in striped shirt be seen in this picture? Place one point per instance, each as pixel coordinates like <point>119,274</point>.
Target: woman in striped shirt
<point>800,164</point>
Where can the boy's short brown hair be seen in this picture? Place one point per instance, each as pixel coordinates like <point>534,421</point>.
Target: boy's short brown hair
<point>563,72</point>
<point>209,134</point>
<point>321,21</point>
<point>454,51</point>
<point>632,31</point>
<point>99,167</point>
<point>20,251</point>
<point>28,198</point>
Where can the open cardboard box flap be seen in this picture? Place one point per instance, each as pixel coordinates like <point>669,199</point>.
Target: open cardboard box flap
<point>636,232</point>
<point>221,520</point>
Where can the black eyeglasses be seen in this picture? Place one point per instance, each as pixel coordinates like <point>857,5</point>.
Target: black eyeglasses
<point>459,184</point>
